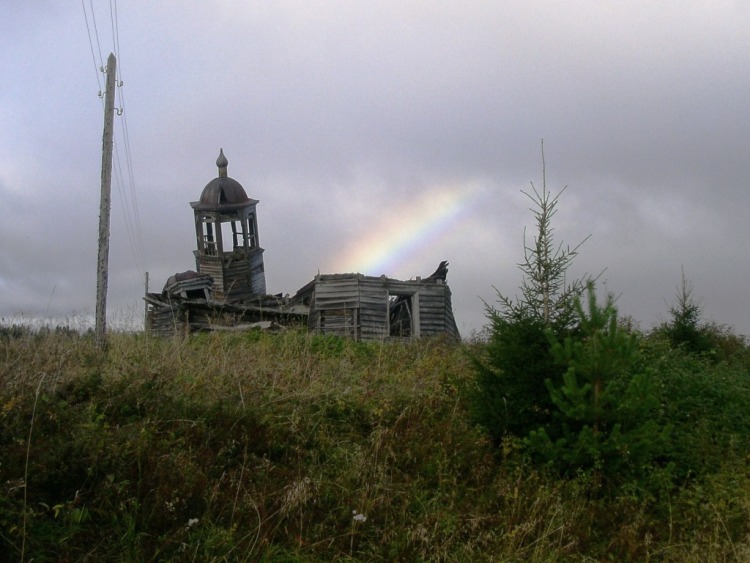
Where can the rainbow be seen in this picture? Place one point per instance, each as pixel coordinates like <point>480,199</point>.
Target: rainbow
<point>406,235</point>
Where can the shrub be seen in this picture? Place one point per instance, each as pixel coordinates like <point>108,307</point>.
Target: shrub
<point>604,403</point>
<point>510,396</point>
<point>704,401</point>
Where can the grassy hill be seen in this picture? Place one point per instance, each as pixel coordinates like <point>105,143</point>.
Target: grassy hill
<point>292,447</point>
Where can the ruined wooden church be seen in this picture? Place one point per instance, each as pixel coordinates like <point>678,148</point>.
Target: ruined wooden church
<point>227,290</point>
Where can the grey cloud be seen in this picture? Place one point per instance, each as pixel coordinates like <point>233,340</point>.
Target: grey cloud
<point>332,117</point>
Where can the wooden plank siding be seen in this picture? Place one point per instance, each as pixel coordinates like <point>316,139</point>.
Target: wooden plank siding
<point>357,306</point>
<point>234,279</point>
<point>434,302</point>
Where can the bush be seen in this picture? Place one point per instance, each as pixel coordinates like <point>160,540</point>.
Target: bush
<point>704,401</point>
<point>510,396</point>
<point>604,402</point>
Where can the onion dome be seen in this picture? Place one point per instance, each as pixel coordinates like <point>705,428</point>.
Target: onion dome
<point>222,191</point>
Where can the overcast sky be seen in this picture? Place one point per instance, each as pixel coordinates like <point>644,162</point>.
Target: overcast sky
<point>381,137</point>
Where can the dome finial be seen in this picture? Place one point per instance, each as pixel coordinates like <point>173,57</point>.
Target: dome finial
<point>222,163</point>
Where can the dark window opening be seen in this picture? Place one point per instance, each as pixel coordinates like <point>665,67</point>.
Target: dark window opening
<point>196,294</point>
<point>400,318</point>
<point>252,235</point>
<point>208,239</point>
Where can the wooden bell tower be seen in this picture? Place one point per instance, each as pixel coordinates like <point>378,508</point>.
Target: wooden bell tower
<point>226,228</point>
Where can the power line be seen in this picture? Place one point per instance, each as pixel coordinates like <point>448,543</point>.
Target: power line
<point>133,193</point>
<point>91,46</point>
<point>96,34</point>
<point>115,29</point>
<point>125,182</point>
<point>134,230</point>
<point>126,212</point>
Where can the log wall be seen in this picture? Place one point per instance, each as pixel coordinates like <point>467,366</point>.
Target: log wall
<point>357,306</point>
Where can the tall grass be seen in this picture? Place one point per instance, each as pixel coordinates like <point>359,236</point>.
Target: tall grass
<point>278,447</point>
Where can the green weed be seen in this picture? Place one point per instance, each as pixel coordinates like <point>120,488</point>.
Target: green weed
<point>292,447</point>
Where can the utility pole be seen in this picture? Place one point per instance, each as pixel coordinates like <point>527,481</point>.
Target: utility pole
<point>145,308</point>
<point>105,205</point>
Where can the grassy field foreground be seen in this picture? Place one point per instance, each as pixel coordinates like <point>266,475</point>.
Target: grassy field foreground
<point>291,447</point>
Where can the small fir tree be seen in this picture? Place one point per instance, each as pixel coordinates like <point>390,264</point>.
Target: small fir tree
<point>686,328</point>
<point>511,397</point>
<point>546,295</point>
<point>604,403</point>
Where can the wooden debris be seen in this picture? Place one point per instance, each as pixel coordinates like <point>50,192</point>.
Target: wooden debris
<point>349,305</point>
<point>377,308</point>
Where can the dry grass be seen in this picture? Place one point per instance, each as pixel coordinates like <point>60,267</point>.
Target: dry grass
<point>244,447</point>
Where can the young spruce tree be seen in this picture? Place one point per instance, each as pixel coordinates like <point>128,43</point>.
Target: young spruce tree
<point>604,419</point>
<point>686,329</point>
<point>510,396</point>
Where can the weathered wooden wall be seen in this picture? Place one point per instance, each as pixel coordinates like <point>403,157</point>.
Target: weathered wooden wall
<point>234,279</point>
<point>357,306</point>
<point>436,311</point>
